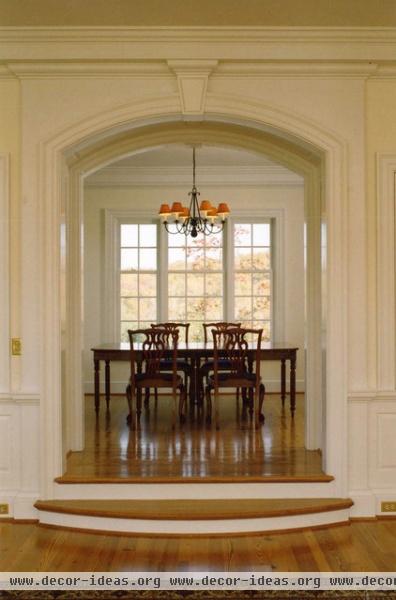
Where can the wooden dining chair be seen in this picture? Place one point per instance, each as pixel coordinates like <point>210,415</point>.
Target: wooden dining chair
<point>145,364</point>
<point>243,372</point>
<point>208,365</point>
<point>182,364</point>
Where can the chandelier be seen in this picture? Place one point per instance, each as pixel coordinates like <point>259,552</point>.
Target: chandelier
<point>197,218</point>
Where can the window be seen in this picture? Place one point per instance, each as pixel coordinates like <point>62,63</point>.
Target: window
<point>138,276</point>
<point>195,280</point>
<point>167,276</point>
<point>252,276</point>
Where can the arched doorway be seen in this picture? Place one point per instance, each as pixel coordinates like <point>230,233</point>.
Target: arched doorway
<point>300,157</point>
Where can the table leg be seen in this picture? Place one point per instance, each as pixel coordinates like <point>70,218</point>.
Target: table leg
<point>107,383</point>
<point>193,392</point>
<point>293,384</point>
<point>97,384</point>
<point>283,380</point>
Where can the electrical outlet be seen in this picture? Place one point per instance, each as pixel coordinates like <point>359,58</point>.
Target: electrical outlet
<point>388,506</point>
<point>4,509</point>
<point>16,347</point>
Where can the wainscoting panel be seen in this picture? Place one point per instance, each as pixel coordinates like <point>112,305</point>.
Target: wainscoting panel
<point>9,447</point>
<point>19,455</point>
<point>382,439</point>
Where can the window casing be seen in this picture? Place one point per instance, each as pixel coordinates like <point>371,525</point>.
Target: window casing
<point>203,282</point>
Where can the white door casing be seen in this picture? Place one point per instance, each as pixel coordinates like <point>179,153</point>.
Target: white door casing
<point>59,149</point>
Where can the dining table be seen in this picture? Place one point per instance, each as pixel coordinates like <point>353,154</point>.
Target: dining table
<point>195,353</point>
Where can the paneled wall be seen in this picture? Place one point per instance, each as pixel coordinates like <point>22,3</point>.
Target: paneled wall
<point>372,415</point>
<point>333,91</point>
<point>19,408</point>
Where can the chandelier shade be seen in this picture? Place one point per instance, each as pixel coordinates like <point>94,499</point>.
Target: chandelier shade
<point>195,218</point>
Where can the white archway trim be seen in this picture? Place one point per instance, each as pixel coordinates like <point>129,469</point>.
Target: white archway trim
<point>159,110</point>
<point>386,296</point>
<point>287,123</point>
<point>259,141</point>
<point>5,363</point>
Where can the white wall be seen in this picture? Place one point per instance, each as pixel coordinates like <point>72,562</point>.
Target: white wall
<point>290,199</point>
<point>334,89</point>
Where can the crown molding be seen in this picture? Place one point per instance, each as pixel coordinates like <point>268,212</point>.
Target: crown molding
<point>210,43</point>
<point>305,69</point>
<point>6,73</point>
<point>197,74</point>
<point>84,69</point>
<point>387,71</point>
<point>125,176</point>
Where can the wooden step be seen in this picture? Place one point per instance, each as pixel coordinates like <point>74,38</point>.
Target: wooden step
<point>92,479</point>
<point>194,510</point>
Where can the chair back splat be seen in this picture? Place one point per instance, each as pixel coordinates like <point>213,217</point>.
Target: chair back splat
<point>243,359</point>
<point>218,326</point>
<point>173,326</point>
<point>232,345</point>
<point>154,344</point>
<point>149,347</point>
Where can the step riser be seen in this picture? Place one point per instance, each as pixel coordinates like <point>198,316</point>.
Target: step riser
<point>192,491</point>
<point>221,526</point>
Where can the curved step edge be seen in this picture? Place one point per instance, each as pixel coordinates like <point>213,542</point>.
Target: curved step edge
<point>182,528</point>
<point>201,510</point>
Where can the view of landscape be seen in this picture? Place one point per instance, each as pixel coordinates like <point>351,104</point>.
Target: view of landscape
<point>197,275</point>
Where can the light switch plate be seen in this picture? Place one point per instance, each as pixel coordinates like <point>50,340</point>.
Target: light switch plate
<point>16,347</point>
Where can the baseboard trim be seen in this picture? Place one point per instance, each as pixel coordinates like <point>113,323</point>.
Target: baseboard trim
<point>21,521</point>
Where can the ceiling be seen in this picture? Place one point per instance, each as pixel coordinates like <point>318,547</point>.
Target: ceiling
<point>251,13</point>
<point>172,164</point>
<point>180,155</point>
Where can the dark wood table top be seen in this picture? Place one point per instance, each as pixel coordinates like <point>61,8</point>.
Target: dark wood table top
<point>191,346</point>
<point>121,351</point>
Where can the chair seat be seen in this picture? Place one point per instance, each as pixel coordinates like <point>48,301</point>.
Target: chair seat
<point>223,363</point>
<point>234,380</point>
<point>157,380</point>
<point>167,364</point>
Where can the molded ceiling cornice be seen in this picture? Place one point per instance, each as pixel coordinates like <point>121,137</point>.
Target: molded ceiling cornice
<point>252,44</point>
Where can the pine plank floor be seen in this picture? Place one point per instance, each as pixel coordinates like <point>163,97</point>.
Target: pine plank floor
<point>194,451</point>
<point>360,546</point>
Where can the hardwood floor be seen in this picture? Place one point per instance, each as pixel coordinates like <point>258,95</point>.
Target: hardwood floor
<point>195,451</point>
<point>360,546</point>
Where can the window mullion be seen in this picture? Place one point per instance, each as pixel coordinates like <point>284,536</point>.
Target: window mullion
<point>228,279</point>
<point>162,277</point>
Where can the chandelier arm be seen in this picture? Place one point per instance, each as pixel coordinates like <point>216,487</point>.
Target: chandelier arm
<point>166,225</point>
<point>179,226</point>
<point>211,228</point>
<point>220,227</point>
<point>198,211</point>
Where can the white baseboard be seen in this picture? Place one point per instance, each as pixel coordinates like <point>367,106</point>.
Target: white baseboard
<point>364,503</point>
<point>367,503</point>
<point>21,504</point>
<point>118,387</point>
